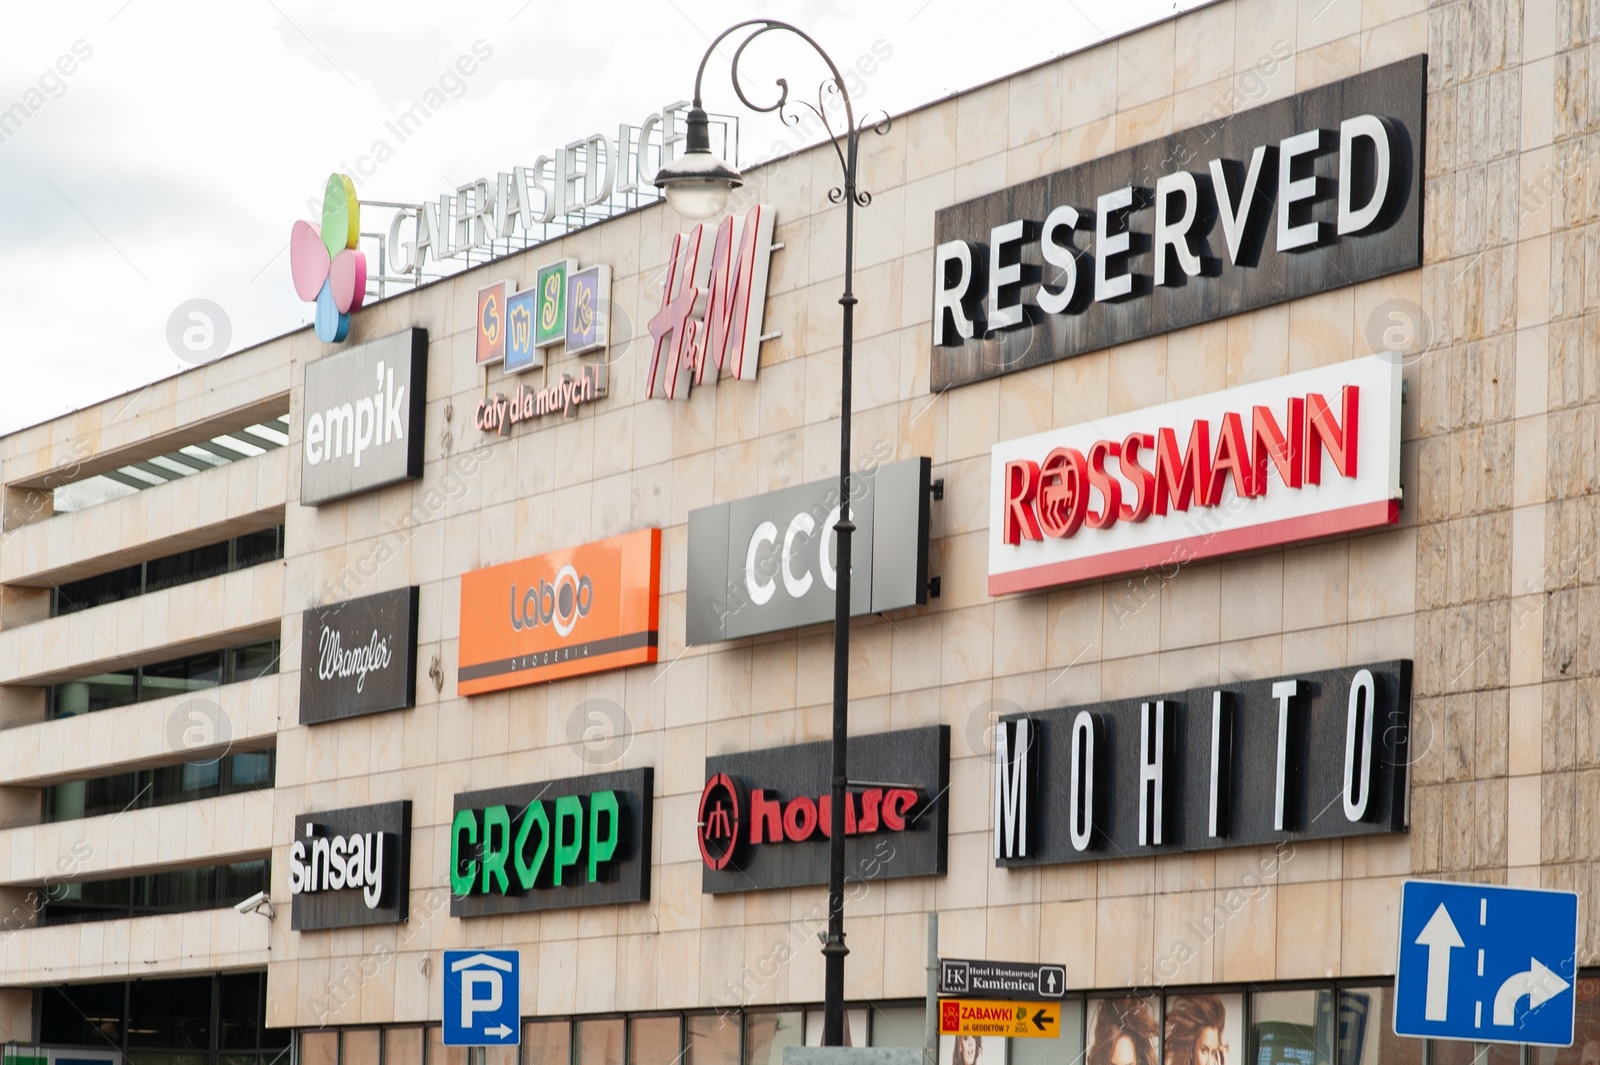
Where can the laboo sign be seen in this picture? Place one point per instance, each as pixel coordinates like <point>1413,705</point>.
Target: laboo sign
<point>1295,197</point>
<point>1312,454</point>
<point>349,868</point>
<point>359,657</point>
<point>562,614</point>
<point>1318,755</point>
<point>583,841</point>
<point>769,562</point>
<point>361,417</point>
<point>764,816</point>
<point>712,305</point>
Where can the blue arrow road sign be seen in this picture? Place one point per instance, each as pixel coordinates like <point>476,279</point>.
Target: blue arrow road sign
<point>482,996</point>
<point>1485,963</point>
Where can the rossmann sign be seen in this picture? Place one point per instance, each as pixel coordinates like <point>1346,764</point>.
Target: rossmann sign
<point>1312,454</point>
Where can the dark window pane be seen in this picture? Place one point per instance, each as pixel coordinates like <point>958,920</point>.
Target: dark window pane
<point>255,660</point>
<point>100,692</point>
<point>181,783</point>
<point>180,675</point>
<point>274,1038</point>
<point>239,1006</point>
<point>251,771</point>
<point>252,549</point>
<point>98,590</point>
<point>1292,1028</point>
<point>81,1014</point>
<point>186,566</point>
<point>170,1013</point>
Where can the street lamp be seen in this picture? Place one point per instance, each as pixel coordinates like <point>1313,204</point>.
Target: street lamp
<point>697,185</point>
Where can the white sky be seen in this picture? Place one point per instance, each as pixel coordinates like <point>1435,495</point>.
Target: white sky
<point>171,164</point>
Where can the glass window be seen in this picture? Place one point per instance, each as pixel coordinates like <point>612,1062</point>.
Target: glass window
<point>95,591</point>
<point>1292,1027</point>
<point>713,1038</point>
<point>240,1007</point>
<point>360,1046</point>
<point>599,1042</point>
<point>439,1054</point>
<point>195,673</point>
<point>89,694</point>
<point>255,660</point>
<point>1121,1031</point>
<point>1365,1030</point>
<point>170,1013</point>
<point>656,1041</point>
<point>855,1028</point>
<point>547,1043</point>
<point>902,1026</point>
<point>402,1046</point>
<point>252,549</point>
<point>319,1048</point>
<point>186,566</point>
<point>81,1014</point>
<point>767,1034</point>
<point>250,770</point>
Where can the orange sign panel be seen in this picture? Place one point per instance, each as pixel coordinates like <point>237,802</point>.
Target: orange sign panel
<point>564,614</point>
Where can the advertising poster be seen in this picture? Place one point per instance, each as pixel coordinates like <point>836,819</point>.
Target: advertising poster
<point>1123,1031</point>
<point>972,1050</point>
<point>1204,1029</point>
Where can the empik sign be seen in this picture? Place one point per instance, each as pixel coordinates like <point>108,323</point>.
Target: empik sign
<point>1298,196</point>
<point>1312,454</point>
<point>361,417</point>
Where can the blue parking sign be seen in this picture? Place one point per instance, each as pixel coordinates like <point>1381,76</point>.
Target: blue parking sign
<point>482,996</point>
<point>1485,963</point>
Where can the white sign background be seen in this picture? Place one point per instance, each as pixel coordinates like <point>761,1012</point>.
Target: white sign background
<point>1280,515</point>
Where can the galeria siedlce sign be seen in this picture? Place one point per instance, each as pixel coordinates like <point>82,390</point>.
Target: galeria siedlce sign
<point>582,841</point>
<point>1312,454</point>
<point>563,614</point>
<point>712,305</point>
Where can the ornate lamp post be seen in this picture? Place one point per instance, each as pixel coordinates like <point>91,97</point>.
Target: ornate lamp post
<point>697,185</point>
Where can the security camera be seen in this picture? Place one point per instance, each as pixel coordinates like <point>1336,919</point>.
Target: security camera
<point>257,903</point>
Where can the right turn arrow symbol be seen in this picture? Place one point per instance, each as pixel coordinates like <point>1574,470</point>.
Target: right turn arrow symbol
<point>1440,936</point>
<point>1540,984</point>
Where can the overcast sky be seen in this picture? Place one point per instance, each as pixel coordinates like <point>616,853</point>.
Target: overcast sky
<point>172,160</point>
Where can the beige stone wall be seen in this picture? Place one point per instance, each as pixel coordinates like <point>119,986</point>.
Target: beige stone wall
<point>1487,582</point>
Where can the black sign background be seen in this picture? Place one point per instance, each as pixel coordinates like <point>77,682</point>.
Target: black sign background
<point>628,879</point>
<point>347,908</point>
<point>1317,747</point>
<point>393,616</point>
<point>1396,92</point>
<point>918,758</point>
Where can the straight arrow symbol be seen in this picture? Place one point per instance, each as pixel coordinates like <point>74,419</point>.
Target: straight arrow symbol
<point>1440,936</point>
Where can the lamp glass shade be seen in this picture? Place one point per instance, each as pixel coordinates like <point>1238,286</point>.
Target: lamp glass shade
<point>700,199</point>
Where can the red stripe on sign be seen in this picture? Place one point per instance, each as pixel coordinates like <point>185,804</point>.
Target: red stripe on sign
<point>1193,548</point>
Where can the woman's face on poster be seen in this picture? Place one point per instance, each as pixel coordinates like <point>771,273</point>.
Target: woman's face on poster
<point>969,1048</point>
<point>1208,1048</point>
<point>1122,1052</point>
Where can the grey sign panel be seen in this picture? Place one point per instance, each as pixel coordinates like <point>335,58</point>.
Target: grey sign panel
<point>359,657</point>
<point>349,868</point>
<point>974,978</point>
<point>1243,258</point>
<point>767,563</point>
<point>361,417</point>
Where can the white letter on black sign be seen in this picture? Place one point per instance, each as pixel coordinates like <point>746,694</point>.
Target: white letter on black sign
<point>1376,132</point>
<point>954,299</point>
<point>1221,764</point>
<point>1358,746</point>
<point>1080,797</point>
<point>1174,233</point>
<point>1003,315</point>
<point>1112,209</point>
<point>1060,253</point>
<point>1292,190</point>
<point>1152,771</point>
<point>1013,779</point>
<point>1283,691</point>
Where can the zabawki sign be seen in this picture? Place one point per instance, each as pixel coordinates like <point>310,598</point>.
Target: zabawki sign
<point>1299,196</point>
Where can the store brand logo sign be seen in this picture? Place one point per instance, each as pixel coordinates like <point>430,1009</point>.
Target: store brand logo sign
<point>349,868</point>
<point>769,562</point>
<point>712,305</point>
<point>563,614</point>
<point>1208,222</point>
<point>359,657</point>
<point>361,414</point>
<point>1312,454</point>
<point>1319,755</point>
<point>566,305</point>
<point>764,817</point>
<point>583,841</point>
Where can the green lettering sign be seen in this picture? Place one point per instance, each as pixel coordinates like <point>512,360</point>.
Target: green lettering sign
<point>569,833</point>
<point>528,872</point>
<point>496,848</point>
<point>461,882</point>
<point>602,844</point>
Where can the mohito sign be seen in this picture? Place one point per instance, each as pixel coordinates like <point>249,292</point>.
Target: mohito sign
<point>359,657</point>
<point>769,562</point>
<point>712,305</point>
<point>350,867</point>
<point>1315,755</point>
<point>1315,453</point>
<point>361,417</point>
<point>562,614</point>
<point>764,817</point>
<point>583,841</point>
<point>1295,197</point>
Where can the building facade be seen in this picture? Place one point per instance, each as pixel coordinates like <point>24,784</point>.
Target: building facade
<point>1315,661</point>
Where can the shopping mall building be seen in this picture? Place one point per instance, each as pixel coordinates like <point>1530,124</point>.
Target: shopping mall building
<point>1225,474</point>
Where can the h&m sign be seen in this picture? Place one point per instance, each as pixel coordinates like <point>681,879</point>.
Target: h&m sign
<point>1310,756</point>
